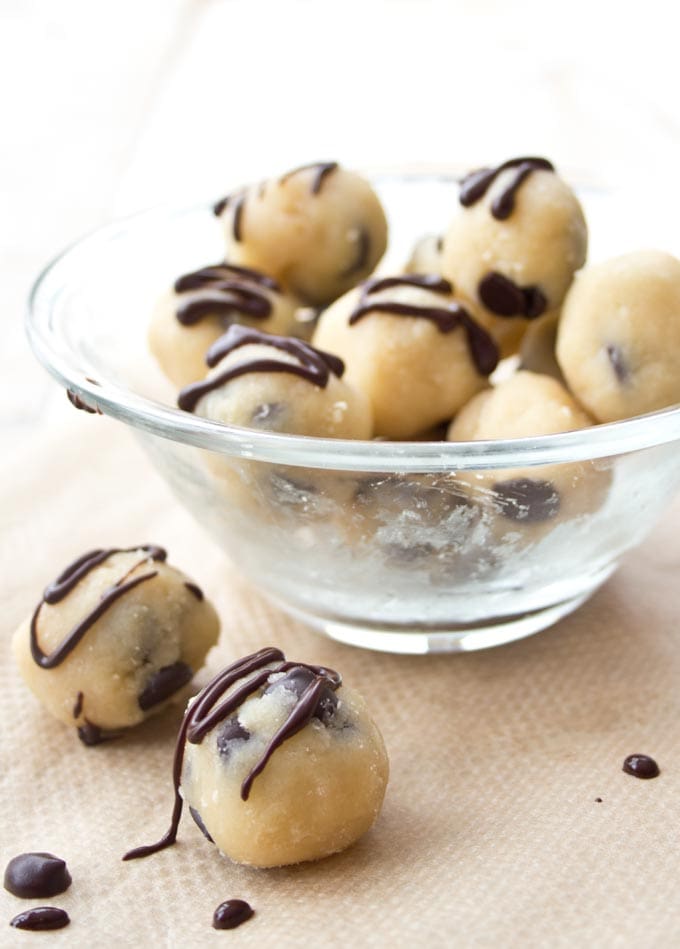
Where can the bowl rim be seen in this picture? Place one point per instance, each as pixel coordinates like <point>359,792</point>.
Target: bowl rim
<point>157,418</point>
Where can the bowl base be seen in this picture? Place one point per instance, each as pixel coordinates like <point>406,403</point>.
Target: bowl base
<point>458,638</point>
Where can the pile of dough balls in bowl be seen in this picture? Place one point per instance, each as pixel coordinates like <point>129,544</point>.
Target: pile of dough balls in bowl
<point>412,408</point>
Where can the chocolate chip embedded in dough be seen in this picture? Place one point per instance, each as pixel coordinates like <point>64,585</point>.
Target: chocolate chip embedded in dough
<point>297,680</point>
<point>232,730</point>
<point>618,363</point>
<point>164,683</point>
<point>527,499</point>
<point>91,735</point>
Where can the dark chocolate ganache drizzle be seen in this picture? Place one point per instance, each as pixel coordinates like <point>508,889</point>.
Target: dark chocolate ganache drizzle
<point>223,290</point>
<point>503,297</point>
<point>314,365</point>
<point>78,403</point>
<point>232,913</point>
<point>213,705</point>
<point>68,579</point>
<point>321,168</point>
<point>41,918</point>
<point>36,875</point>
<point>483,349</point>
<point>641,766</point>
<point>475,185</point>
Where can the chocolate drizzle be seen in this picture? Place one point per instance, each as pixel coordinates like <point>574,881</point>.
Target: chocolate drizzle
<point>41,918</point>
<point>322,168</point>
<point>475,185</point>
<point>641,766</point>
<point>248,676</point>
<point>68,579</point>
<point>314,365</point>
<point>195,590</point>
<point>237,201</point>
<point>78,707</point>
<point>483,349</point>
<point>232,913</point>
<point>503,297</point>
<point>78,403</point>
<point>223,290</point>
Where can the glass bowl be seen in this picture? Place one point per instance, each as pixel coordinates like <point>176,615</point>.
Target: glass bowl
<point>401,547</point>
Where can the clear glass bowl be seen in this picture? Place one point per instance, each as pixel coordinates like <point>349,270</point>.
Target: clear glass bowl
<point>400,547</point>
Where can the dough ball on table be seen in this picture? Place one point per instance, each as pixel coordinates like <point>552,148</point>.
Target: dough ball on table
<point>537,352</point>
<point>514,245</point>
<point>411,348</point>
<point>278,763</point>
<point>116,636</point>
<point>318,229</point>
<point>203,304</point>
<point>618,343</point>
<point>426,256</point>
<point>530,499</point>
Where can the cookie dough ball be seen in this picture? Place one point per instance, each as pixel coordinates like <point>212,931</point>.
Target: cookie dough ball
<point>278,384</point>
<point>619,338</point>
<point>203,304</point>
<point>411,348</point>
<point>515,244</point>
<point>116,636</point>
<point>525,405</point>
<point>426,256</point>
<point>279,763</point>
<point>537,352</point>
<point>318,229</point>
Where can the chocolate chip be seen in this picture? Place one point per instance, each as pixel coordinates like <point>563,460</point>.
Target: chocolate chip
<point>641,766</point>
<point>231,730</point>
<point>270,412</point>
<point>535,302</point>
<point>36,875</point>
<point>42,917</point>
<point>91,735</point>
<point>199,823</point>
<point>527,499</point>
<point>296,681</point>
<point>503,297</point>
<point>232,913</point>
<point>618,363</point>
<point>163,684</point>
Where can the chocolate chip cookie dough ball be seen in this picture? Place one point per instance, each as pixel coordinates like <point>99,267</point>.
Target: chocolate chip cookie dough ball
<point>318,229</point>
<point>411,348</point>
<point>116,636</point>
<point>426,256</point>
<point>278,763</point>
<point>203,304</point>
<point>515,244</point>
<point>525,405</point>
<point>619,338</point>
<point>278,384</point>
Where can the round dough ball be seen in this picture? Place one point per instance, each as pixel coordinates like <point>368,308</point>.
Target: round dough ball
<point>411,348</point>
<point>426,256</point>
<point>251,385</point>
<point>532,498</point>
<point>318,229</point>
<point>117,636</point>
<point>514,245</point>
<point>537,352</point>
<point>618,343</point>
<point>203,304</point>
<point>320,789</point>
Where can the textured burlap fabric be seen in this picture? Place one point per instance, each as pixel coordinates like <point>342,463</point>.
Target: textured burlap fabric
<point>491,834</point>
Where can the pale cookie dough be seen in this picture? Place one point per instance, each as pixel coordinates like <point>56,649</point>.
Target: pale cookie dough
<point>537,352</point>
<point>411,348</point>
<point>533,498</point>
<point>426,256</point>
<point>618,343</point>
<point>277,384</point>
<point>203,304</point>
<point>116,636</point>
<point>318,229</point>
<point>279,763</point>
<point>514,245</point>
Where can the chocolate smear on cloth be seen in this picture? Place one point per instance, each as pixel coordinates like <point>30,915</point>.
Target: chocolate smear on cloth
<point>249,675</point>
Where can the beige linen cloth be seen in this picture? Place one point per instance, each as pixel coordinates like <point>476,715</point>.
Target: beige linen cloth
<point>491,834</point>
